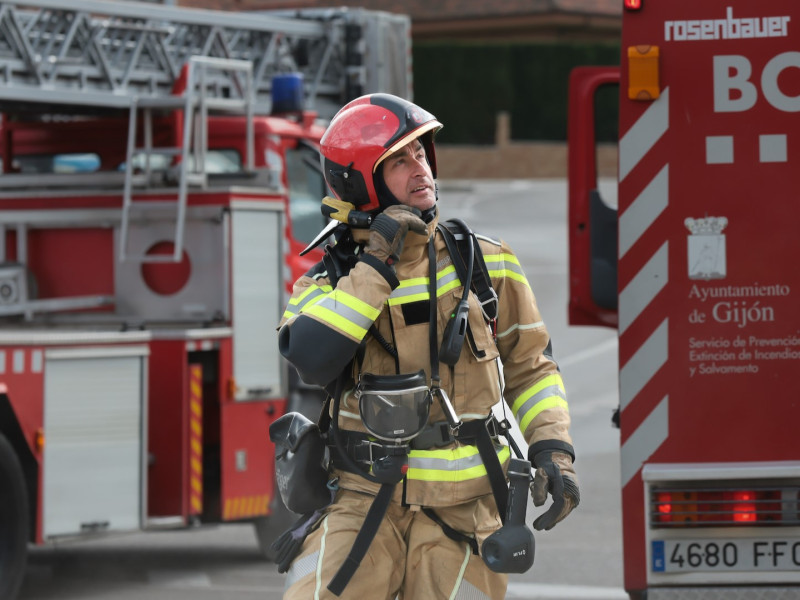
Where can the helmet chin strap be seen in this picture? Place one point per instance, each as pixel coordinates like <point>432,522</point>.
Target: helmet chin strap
<point>429,213</point>
<point>385,197</point>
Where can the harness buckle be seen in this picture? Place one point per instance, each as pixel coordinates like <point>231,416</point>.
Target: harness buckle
<point>494,427</point>
<point>435,435</point>
<point>449,411</point>
<point>483,303</point>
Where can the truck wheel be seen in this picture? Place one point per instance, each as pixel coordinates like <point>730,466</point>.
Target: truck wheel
<point>13,521</point>
<point>268,529</point>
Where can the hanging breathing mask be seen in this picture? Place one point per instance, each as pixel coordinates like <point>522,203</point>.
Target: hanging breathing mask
<point>394,408</point>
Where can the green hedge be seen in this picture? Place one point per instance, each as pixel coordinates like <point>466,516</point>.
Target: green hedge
<point>466,84</point>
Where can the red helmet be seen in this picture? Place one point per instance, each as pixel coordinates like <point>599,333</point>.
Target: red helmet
<point>362,134</point>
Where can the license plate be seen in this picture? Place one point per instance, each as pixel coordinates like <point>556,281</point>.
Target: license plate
<point>680,556</point>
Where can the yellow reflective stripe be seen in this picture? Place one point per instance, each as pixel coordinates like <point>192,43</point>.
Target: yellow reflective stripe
<point>403,293</point>
<point>505,265</point>
<point>501,258</point>
<point>408,299</point>
<point>452,473</point>
<point>544,394</point>
<point>553,379</point>
<point>337,321</point>
<point>310,290</point>
<point>297,303</point>
<point>446,280</point>
<point>447,287</point>
<point>356,304</point>
<point>542,405</point>
<point>347,313</point>
<point>451,280</point>
<point>515,276</point>
<point>406,283</point>
<point>445,454</point>
<point>289,312</point>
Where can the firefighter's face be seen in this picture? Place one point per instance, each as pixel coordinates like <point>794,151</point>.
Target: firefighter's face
<point>408,176</point>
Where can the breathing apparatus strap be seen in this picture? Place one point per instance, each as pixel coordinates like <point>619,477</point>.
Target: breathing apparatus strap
<point>455,233</point>
<point>363,540</point>
<point>433,320</point>
<point>474,430</point>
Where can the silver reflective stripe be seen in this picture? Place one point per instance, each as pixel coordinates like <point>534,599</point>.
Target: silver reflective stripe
<point>516,326</point>
<point>644,364</point>
<point>417,291</point>
<point>548,392</point>
<point>401,293</point>
<point>340,308</point>
<point>296,305</point>
<point>644,287</point>
<point>444,464</point>
<point>467,591</point>
<point>644,134</point>
<point>647,438</point>
<point>443,280</point>
<point>300,568</point>
<point>498,263</point>
<point>638,217</point>
<point>460,579</point>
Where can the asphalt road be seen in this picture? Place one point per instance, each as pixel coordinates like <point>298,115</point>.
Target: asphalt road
<point>580,559</point>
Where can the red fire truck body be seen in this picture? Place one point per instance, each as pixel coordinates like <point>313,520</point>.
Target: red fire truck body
<point>156,191</point>
<point>694,270</point>
<point>140,393</point>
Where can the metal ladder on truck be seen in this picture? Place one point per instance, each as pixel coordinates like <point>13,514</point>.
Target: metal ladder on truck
<point>85,55</point>
<point>195,103</point>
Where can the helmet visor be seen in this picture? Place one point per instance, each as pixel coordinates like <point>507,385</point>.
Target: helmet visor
<point>433,126</point>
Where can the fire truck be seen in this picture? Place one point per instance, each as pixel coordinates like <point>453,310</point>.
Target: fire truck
<point>160,174</point>
<point>693,267</point>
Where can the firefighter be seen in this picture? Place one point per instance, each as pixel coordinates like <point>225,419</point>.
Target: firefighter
<point>410,412</point>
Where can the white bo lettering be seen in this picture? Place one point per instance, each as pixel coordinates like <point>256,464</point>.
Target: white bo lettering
<point>732,74</point>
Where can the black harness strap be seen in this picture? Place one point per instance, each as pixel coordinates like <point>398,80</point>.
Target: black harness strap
<point>432,300</point>
<point>454,233</point>
<point>375,514</point>
<point>366,534</point>
<point>453,534</point>
<point>476,430</point>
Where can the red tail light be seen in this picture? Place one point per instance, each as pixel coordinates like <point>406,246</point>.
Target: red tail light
<point>633,4</point>
<point>720,507</point>
<point>664,506</point>
<point>744,507</point>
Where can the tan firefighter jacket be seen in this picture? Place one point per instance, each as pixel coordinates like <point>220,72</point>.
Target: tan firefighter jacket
<point>322,328</point>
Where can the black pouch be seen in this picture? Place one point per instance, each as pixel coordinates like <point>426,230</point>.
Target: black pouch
<point>300,463</point>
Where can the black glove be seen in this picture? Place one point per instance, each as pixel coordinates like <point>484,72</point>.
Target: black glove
<point>389,229</point>
<point>290,541</point>
<point>555,475</point>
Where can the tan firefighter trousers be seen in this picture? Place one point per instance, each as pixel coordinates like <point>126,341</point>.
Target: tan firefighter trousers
<point>410,558</point>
